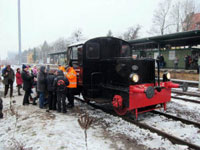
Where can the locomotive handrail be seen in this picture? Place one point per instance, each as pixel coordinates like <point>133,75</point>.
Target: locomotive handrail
<point>157,61</point>
<point>92,74</point>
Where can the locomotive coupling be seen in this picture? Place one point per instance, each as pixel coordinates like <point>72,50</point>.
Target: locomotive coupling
<point>184,87</point>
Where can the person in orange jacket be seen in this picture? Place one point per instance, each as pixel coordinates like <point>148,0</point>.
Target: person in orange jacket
<point>62,68</point>
<point>72,77</point>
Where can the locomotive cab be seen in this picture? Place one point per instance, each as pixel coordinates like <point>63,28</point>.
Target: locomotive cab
<point>107,73</point>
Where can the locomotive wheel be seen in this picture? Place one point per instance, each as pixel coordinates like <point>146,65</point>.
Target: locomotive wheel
<point>121,111</point>
<point>118,105</point>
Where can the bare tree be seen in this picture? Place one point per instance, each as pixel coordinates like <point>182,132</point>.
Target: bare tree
<point>182,14</point>
<point>132,33</point>
<point>44,51</point>
<point>109,33</point>
<point>160,17</point>
<point>60,44</point>
<point>77,35</point>
<point>187,14</point>
<point>175,16</point>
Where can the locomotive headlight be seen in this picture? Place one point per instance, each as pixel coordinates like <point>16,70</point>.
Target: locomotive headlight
<point>168,76</point>
<point>134,77</point>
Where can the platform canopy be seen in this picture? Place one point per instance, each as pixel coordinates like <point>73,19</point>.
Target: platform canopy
<point>189,38</point>
<point>58,53</point>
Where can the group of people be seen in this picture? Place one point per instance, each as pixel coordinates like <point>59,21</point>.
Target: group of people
<point>51,86</point>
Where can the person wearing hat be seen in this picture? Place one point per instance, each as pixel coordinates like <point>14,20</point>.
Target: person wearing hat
<point>60,83</point>
<point>27,84</point>
<point>72,77</point>
<point>9,77</point>
<point>42,85</point>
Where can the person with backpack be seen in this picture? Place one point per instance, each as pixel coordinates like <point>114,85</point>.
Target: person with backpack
<point>50,88</point>
<point>60,84</point>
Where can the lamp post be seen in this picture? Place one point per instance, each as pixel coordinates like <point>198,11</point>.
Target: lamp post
<point>19,32</point>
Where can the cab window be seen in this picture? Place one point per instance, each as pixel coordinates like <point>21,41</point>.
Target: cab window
<point>125,50</point>
<point>92,51</point>
<point>74,53</point>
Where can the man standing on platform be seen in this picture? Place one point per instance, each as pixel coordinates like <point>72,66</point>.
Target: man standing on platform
<point>72,77</point>
<point>9,77</point>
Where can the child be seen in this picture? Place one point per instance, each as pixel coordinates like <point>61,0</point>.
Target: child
<point>19,81</point>
<point>50,88</point>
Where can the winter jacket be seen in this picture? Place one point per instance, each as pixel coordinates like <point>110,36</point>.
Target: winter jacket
<point>9,76</point>
<point>59,77</point>
<point>27,80</point>
<point>41,80</point>
<point>19,78</point>
<point>50,82</point>
<point>34,70</point>
<point>71,76</point>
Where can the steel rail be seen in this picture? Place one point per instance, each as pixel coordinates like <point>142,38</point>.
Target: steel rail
<point>196,124</point>
<point>173,139</point>
<point>186,99</point>
<point>186,93</point>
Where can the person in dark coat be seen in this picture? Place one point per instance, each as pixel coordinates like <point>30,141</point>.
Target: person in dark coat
<point>19,81</point>
<point>162,60</point>
<point>186,59</point>
<point>27,84</point>
<point>51,89</point>
<point>60,84</point>
<point>41,85</point>
<point>1,108</point>
<point>9,77</point>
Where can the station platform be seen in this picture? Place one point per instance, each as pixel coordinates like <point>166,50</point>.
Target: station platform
<point>181,74</point>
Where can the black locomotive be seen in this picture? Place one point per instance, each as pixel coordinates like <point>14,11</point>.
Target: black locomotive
<point>107,72</point>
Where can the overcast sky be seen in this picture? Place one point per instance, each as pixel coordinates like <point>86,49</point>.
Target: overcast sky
<point>50,19</point>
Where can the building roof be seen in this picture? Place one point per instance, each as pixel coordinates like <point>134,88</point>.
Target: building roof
<point>77,43</point>
<point>56,53</point>
<point>189,38</point>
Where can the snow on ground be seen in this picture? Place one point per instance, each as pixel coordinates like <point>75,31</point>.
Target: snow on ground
<point>37,129</point>
<point>186,96</point>
<point>187,132</point>
<point>187,110</point>
<point>144,137</point>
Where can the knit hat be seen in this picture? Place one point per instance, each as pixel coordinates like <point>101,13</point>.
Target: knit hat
<point>23,67</point>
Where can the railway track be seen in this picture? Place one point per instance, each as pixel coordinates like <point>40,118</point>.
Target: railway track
<point>187,94</point>
<point>173,139</point>
<point>196,124</point>
<point>186,99</point>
